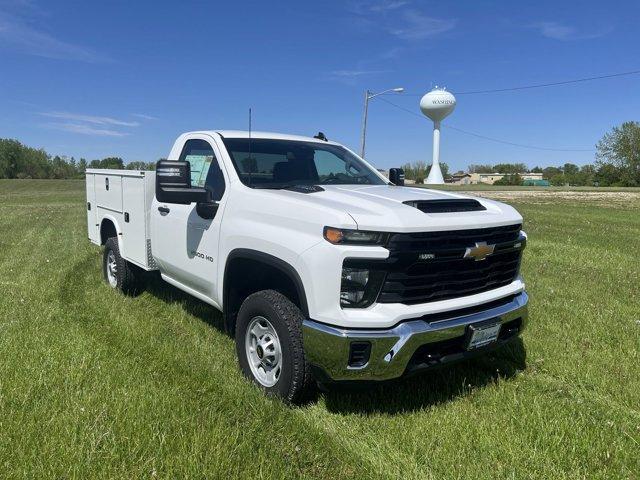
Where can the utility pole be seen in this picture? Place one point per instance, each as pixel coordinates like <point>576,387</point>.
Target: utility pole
<point>363,137</point>
<point>368,95</point>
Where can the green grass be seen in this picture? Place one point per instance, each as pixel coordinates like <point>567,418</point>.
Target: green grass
<point>97,385</point>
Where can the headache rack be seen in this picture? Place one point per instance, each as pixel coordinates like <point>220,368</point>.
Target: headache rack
<point>430,266</point>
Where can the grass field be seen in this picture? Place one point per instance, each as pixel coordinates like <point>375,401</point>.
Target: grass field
<point>97,385</point>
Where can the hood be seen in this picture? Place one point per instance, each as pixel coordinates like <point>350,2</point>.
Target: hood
<point>381,208</point>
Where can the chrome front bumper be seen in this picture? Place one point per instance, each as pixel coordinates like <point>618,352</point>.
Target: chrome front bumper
<point>406,347</point>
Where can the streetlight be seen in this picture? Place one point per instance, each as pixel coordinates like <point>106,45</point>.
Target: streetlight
<point>368,95</point>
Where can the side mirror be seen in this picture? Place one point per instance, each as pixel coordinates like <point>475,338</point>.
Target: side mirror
<point>173,183</point>
<point>207,210</point>
<point>396,176</point>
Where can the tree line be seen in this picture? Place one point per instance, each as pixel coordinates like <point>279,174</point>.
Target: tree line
<point>419,171</point>
<point>20,161</point>
<point>617,164</point>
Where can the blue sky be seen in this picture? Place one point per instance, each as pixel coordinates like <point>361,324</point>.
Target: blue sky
<point>93,79</point>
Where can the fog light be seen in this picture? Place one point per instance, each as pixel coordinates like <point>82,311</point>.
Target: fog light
<point>354,282</point>
<point>359,287</point>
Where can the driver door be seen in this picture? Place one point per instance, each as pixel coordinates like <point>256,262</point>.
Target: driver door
<point>185,241</point>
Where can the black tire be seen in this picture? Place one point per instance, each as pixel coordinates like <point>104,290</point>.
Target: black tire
<point>127,276</point>
<point>295,384</point>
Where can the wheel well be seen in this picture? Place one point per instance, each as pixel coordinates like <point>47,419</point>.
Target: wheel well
<point>250,273</point>
<point>107,230</point>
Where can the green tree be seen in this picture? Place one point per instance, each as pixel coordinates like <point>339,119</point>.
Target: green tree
<point>480,168</point>
<point>9,158</point>
<point>415,171</point>
<point>112,162</point>
<point>514,179</point>
<point>20,161</point>
<point>571,173</point>
<point>558,180</point>
<point>141,166</point>
<point>586,176</point>
<point>608,175</point>
<point>549,172</point>
<point>109,162</point>
<point>510,168</point>
<point>620,148</point>
<point>82,166</point>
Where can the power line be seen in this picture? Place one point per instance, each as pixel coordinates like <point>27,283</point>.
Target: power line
<point>491,139</point>
<point>519,144</point>
<point>540,85</point>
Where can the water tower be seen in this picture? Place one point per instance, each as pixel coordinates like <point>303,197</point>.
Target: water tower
<point>437,105</point>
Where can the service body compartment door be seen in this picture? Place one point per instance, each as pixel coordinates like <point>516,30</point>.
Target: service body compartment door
<point>108,190</point>
<point>92,218</point>
<point>134,239</point>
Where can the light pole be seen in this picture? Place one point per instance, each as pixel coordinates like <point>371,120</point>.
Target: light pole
<point>368,95</point>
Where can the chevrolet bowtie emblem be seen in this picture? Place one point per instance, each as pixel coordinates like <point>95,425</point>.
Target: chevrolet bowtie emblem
<point>480,252</point>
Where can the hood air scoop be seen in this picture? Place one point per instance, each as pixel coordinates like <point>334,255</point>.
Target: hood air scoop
<point>446,205</point>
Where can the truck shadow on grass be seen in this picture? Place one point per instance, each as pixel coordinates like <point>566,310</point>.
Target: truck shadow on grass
<point>160,289</point>
<point>414,393</point>
<point>430,388</point>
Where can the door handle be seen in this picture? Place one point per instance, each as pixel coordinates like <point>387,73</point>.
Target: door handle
<point>163,210</point>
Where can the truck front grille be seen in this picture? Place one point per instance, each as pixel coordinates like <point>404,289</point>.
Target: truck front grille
<point>430,266</point>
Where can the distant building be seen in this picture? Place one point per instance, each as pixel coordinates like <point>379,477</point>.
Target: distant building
<point>536,183</point>
<point>459,178</point>
<point>462,178</point>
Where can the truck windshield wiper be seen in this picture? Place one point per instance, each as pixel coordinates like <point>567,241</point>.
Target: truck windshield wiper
<point>279,186</point>
<point>296,187</point>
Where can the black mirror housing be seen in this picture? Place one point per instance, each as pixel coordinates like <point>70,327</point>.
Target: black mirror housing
<point>207,210</point>
<point>173,183</point>
<point>396,176</point>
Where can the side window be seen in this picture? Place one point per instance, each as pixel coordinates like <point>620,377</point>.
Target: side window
<point>205,171</point>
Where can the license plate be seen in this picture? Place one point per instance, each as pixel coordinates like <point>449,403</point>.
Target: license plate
<point>482,335</point>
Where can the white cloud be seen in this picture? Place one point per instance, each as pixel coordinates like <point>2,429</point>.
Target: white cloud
<point>89,119</point>
<point>86,129</point>
<point>352,76</point>
<point>559,31</point>
<point>398,18</point>
<point>387,6</point>
<point>89,124</point>
<point>144,117</point>
<point>17,35</point>
<point>418,26</point>
<point>354,73</point>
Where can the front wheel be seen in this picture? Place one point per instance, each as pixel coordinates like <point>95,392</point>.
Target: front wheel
<point>269,346</point>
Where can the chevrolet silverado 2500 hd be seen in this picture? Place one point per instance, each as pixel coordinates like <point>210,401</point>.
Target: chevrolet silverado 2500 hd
<point>323,269</point>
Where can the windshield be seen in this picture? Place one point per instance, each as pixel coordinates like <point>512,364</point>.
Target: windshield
<point>282,163</point>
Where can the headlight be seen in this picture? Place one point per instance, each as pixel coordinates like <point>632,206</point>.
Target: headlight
<point>341,236</point>
<point>359,287</point>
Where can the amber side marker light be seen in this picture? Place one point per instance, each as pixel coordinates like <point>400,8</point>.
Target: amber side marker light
<point>333,235</point>
<point>339,236</point>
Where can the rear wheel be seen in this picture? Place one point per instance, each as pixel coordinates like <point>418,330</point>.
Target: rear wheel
<point>269,346</point>
<point>119,273</point>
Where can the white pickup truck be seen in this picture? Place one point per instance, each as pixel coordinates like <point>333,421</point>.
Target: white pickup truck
<point>324,270</point>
